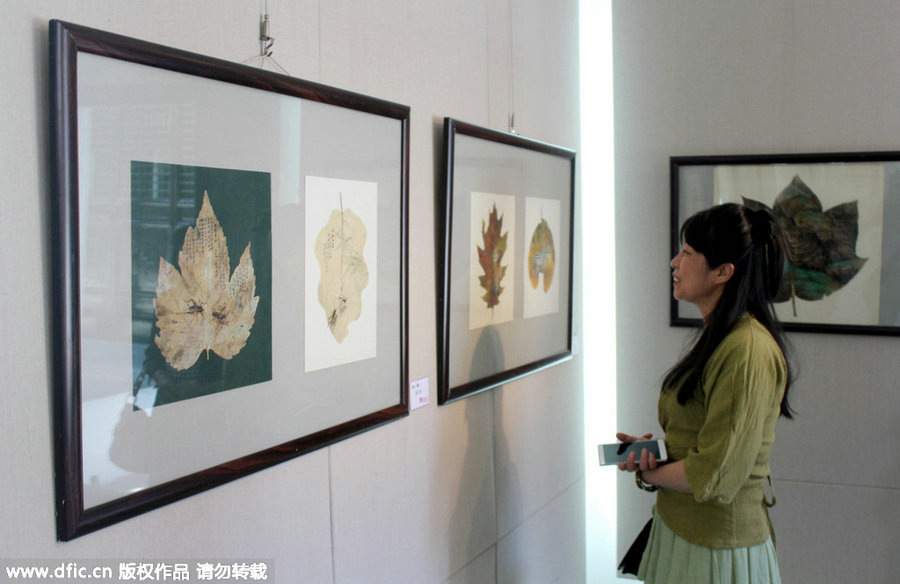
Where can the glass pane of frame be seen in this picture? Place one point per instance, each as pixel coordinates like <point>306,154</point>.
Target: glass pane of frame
<point>230,271</point>
<point>506,301</point>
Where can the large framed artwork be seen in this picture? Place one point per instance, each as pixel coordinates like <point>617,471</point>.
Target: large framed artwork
<point>835,211</point>
<point>229,271</point>
<point>505,299</point>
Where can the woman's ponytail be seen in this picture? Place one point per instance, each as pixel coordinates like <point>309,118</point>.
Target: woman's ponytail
<point>766,241</point>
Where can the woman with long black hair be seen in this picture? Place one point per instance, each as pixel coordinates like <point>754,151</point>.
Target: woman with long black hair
<point>718,407</point>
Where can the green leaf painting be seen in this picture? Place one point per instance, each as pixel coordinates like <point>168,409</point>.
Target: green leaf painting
<point>821,245</point>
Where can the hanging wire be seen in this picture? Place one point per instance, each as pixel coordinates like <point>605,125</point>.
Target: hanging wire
<point>512,83</point>
<point>266,44</point>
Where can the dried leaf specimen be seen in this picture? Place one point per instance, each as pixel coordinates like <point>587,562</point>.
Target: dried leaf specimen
<point>339,250</point>
<point>821,244</point>
<point>202,308</point>
<point>541,256</point>
<point>490,257</point>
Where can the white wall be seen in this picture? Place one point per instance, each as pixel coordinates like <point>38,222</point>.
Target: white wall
<point>699,77</point>
<point>489,489</point>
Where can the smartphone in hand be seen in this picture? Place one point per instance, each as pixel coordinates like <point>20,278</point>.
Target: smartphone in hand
<point>619,451</point>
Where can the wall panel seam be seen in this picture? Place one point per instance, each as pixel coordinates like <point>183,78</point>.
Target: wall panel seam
<point>540,509</point>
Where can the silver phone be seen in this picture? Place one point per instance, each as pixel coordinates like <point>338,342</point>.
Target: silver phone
<point>619,451</point>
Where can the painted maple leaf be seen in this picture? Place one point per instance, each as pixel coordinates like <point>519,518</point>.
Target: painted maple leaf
<point>204,307</point>
<point>821,244</point>
<point>490,257</point>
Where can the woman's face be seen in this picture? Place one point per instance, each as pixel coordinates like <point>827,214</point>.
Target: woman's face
<point>695,281</point>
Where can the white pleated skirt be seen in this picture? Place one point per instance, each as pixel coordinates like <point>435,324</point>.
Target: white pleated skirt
<point>670,559</point>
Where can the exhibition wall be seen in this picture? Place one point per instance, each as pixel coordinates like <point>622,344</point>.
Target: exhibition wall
<point>486,489</point>
<point>726,77</point>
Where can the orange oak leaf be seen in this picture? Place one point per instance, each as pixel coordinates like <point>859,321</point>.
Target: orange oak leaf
<point>490,257</point>
<point>204,307</point>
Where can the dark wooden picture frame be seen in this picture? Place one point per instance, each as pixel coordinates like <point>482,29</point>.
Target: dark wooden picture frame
<point>124,145</point>
<point>843,273</point>
<point>502,315</point>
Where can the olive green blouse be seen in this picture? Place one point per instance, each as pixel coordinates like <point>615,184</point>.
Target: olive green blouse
<point>724,434</point>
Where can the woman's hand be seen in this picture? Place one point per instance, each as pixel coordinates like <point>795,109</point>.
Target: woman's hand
<point>623,437</point>
<point>669,476</point>
<point>646,461</point>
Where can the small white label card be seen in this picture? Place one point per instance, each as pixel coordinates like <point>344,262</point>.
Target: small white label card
<point>418,393</point>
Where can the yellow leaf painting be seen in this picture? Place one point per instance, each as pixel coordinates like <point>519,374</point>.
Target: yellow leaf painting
<point>541,256</point>
<point>339,250</point>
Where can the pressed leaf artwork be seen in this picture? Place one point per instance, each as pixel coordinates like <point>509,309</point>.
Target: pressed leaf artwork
<point>490,257</point>
<point>339,250</point>
<point>821,243</point>
<point>204,307</point>
<point>541,256</point>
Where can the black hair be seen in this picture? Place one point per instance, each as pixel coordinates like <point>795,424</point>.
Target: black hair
<point>750,240</point>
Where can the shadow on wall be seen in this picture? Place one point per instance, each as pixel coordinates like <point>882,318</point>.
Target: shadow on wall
<point>487,465</point>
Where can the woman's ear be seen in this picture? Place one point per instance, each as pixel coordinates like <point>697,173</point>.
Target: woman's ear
<point>724,273</point>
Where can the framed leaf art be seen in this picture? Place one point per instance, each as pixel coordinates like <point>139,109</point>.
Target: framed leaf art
<point>229,271</point>
<point>835,211</point>
<point>506,260</point>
